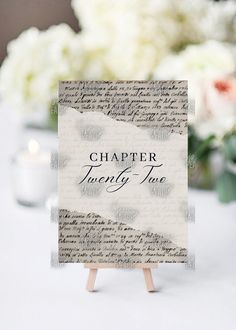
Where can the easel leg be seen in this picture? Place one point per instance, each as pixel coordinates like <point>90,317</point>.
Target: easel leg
<point>91,279</point>
<point>148,279</point>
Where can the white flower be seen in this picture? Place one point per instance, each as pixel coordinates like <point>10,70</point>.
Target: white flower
<point>221,22</point>
<point>36,61</point>
<point>209,59</point>
<point>136,34</point>
<point>201,65</point>
<point>94,62</point>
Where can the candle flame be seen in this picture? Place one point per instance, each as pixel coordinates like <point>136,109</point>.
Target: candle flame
<point>33,146</point>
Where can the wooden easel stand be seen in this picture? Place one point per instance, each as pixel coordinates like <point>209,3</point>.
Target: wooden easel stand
<point>93,268</point>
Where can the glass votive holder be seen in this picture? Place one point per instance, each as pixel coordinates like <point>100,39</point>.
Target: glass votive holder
<point>33,181</point>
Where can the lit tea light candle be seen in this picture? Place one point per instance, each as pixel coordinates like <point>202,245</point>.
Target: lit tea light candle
<point>33,179</point>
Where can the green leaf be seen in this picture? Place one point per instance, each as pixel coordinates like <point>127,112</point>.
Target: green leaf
<point>226,187</point>
<point>230,147</point>
<point>205,148</point>
<point>53,116</point>
<point>201,148</point>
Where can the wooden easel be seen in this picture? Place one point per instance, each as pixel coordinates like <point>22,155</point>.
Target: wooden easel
<point>93,268</point>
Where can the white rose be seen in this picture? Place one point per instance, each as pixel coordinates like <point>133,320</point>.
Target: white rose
<point>201,65</point>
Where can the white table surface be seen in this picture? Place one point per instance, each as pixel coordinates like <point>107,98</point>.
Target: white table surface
<point>35,296</point>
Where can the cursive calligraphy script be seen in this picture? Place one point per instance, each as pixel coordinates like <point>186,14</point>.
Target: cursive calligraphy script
<point>121,178</point>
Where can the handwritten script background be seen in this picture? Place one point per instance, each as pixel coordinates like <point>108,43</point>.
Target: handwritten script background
<point>138,222</point>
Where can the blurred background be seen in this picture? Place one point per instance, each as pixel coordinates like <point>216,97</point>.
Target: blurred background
<point>45,41</point>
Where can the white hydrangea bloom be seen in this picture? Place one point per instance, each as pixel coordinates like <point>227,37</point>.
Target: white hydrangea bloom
<point>136,34</point>
<point>209,59</point>
<point>221,22</point>
<point>36,61</point>
<point>94,62</point>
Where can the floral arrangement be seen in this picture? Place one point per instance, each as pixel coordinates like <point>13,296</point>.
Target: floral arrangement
<point>142,39</point>
<point>36,61</point>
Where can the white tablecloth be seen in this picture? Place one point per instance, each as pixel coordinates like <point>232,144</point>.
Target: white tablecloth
<point>35,296</point>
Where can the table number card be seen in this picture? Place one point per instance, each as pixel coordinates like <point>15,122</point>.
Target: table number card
<point>122,171</point>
